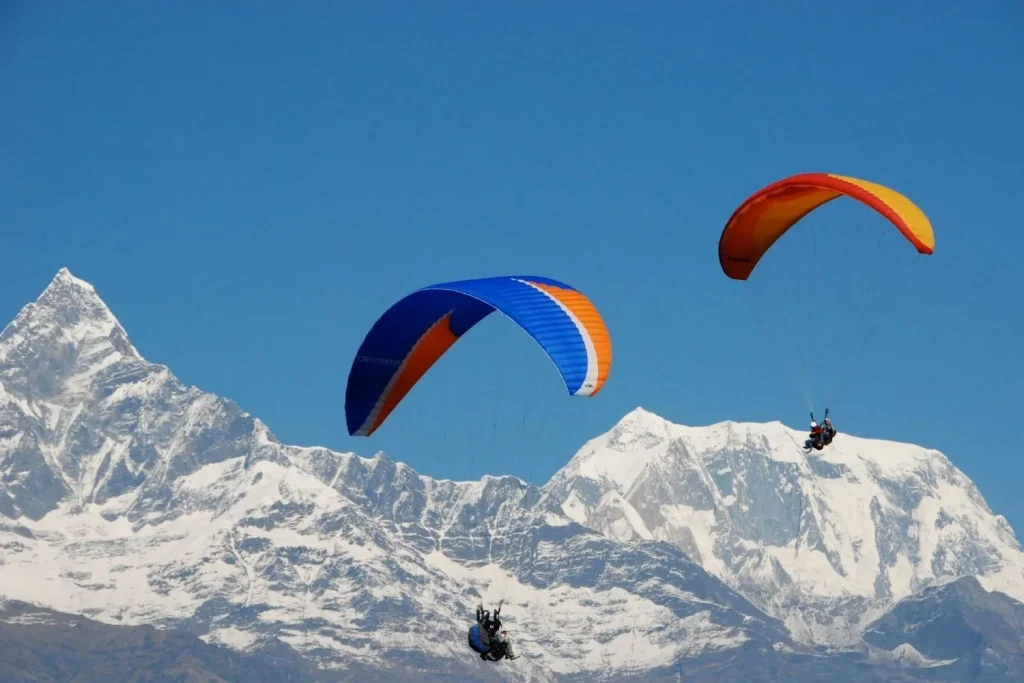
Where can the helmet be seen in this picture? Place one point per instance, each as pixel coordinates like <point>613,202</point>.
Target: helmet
<point>813,424</point>
<point>828,421</point>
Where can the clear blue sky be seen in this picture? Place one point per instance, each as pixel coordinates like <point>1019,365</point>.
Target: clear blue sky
<point>249,185</point>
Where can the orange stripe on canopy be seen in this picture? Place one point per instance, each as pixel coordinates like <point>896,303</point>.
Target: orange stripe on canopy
<point>593,328</point>
<point>425,352</point>
<point>767,214</point>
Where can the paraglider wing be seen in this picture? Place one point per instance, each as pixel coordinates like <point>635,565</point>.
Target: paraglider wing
<point>767,214</point>
<point>417,330</point>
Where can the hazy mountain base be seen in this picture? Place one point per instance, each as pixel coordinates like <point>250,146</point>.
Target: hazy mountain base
<point>41,645</point>
<point>38,645</point>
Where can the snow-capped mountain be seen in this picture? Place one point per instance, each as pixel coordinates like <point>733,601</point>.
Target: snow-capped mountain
<point>132,499</point>
<point>826,542</point>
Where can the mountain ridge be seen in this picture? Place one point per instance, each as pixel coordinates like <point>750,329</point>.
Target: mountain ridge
<point>130,498</point>
<point>135,499</point>
<point>752,508</point>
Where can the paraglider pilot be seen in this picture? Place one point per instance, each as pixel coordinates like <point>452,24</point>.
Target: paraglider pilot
<point>486,637</point>
<point>828,432</point>
<point>821,435</point>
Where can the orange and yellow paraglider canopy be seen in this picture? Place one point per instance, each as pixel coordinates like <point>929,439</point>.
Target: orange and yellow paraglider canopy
<point>767,214</point>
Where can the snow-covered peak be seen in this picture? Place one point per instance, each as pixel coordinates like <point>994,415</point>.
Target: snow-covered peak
<point>75,305</point>
<point>64,278</point>
<point>68,318</point>
<point>642,437</point>
<point>862,523</point>
<point>89,419</point>
<point>639,424</point>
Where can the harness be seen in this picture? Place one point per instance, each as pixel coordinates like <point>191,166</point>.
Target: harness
<point>479,641</point>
